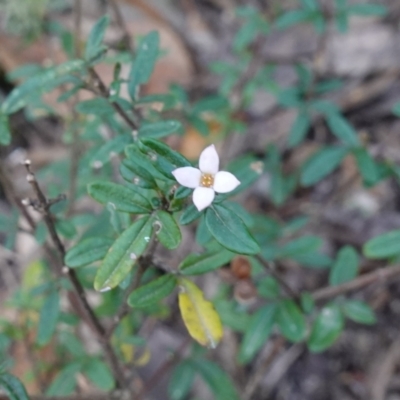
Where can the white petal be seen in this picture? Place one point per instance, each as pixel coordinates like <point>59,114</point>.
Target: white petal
<point>225,182</point>
<point>203,197</point>
<point>209,160</point>
<point>187,176</point>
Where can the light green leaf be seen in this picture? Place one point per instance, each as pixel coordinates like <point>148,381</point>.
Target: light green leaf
<point>143,64</point>
<point>345,267</point>
<point>5,133</point>
<point>99,374</point>
<point>97,106</point>
<point>359,311</point>
<point>367,166</point>
<point>181,381</point>
<point>321,163</point>
<point>65,381</point>
<point>48,318</point>
<point>342,129</point>
<point>123,254</point>
<point>95,39</point>
<point>368,9</point>
<point>290,18</point>
<point>123,198</point>
<point>230,231</point>
<point>300,246</point>
<point>291,321</point>
<point>299,129</point>
<point>153,292</point>
<point>189,215</point>
<point>383,246</point>
<point>257,332</point>
<point>13,387</point>
<point>87,251</point>
<point>198,264</point>
<point>159,129</point>
<point>326,328</point>
<point>167,230</point>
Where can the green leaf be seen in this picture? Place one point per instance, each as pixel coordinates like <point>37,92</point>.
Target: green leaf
<point>48,318</point>
<point>87,251</point>
<point>300,246</point>
<point>65,381</point>
<point>38,84</point>
<point>290,18</point>
<point>189,215</point>
<point>257,333</point>
<point>123,198</point>
<point>152,292</point>
<point>307,302</point>
<point>159,129</point>
<point>359,311</point>
<point>367,166</point>
<point>134,173</point>
<point>230,231</point>
<point>368,9</point>
<point>321,163</point>
<point>198,264</point>
<point>342,129</point>
<point>345,267</point>
<point>326,328</point>
<point>5,133</point>
<point>97,106</point>
<point>143,65</point>
<point>299,129</point>
<point>123,254</point>
<point>291,321</point>
<point>311,5</point>
<point>246,34</point>
<point>13,387</point>
<point>99,374</point>
<point>383,246</point>
<point>96,36</point>
<point>181,381</point>
<point>167,230</point>
<point>268,287</point>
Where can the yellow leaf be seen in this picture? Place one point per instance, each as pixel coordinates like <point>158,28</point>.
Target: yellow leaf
<point>199,315</point>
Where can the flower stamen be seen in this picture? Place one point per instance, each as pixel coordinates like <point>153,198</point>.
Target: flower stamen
<point>207,180</point>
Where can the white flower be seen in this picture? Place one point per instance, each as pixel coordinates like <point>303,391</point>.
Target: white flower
<point>207,179</point>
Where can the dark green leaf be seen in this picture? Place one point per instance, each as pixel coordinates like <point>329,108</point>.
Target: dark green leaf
<point>383,246</point>
<point>198,264</point>
<point>189,215</point>
<point>359,311</point>
<point>181,381</point>
<point>321,163</point>
<point>257,333</point>
<point>143,65</point>
<point>99,374</point>
<point>96,106</point>
<point>5,133</point>
<point>342,129</point>
<point>159,129</point>
<point>65,381</point>
<point>307,302</point>
<point>13,387</point>
<point>367,166</point>
<point>134,173</point>
<point>300,246</point>
<point>96,36</point>
<point>268,287</point>
<point>153,292</point>
<point>48,318</point>
<point>230,231</point>
<point>291,321</point>
<point>299,129</point>
<point>123,198</point>
<point>345,267</point>
<point>123,254</point>
<point>167,230</point>
<point>326,328</point>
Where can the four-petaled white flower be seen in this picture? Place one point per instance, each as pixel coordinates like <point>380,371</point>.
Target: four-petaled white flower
<point>206,180</point>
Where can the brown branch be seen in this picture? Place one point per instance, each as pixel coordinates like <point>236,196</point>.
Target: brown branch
<point>381,275</point>
<point>82,301</point>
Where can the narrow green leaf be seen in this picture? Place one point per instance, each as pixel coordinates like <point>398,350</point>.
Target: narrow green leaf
<point>368,9</point>
<point>143,65</point>
<point>97,106</point>
<point>65,381</point>
<point>123,254</point>
<point>359,311</point>
<point>246,34</point>
<point>99,374</point>
<point>152,292</point>
<point>198,264</point>
<point>87,251</point>
<point>345,267</point>
<point>96,36</point>
<point>123,198</point>
<point>291,321</point>
<point>367,166</point>
<point>383,246</point>
<point>300,246</point>
<point>299,129</point>
<point>48,318</point>
<point>159,129</point>
<point>291,18</point>
<point>230,231</point>
<point>13,387</point>
<point>326,328</point>
<point>181,381</point>
<point>167,230</point>
<point>189,215</point>
<point>5,133</point>
<point>342,129</point>
<point>257,333</point>
<point>321,163</point>
<point>133,172</point>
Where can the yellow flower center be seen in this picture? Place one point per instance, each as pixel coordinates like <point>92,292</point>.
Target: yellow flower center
<point>207,180</point>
